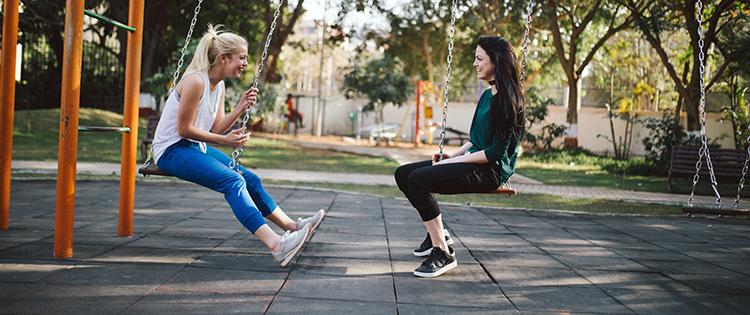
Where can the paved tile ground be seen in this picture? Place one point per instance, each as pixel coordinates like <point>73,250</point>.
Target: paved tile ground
<point>189,255</point>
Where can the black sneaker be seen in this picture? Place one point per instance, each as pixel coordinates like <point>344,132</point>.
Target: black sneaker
<point>426,246</point>
<point>437,263</point>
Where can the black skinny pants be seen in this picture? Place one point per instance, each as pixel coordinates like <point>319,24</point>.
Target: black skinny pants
<point>420,179</point>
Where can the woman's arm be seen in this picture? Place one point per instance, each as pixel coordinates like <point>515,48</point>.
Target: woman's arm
<point>478,157</point>
<point>492,153</point>
<point>191,90</point>
<point>224,122</point>
<point>462,150</point>
<point>458,152</point>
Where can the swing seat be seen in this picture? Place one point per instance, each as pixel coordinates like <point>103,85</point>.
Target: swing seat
<point>503,190</point>
<point>729,211</point>
<point>152,169</point>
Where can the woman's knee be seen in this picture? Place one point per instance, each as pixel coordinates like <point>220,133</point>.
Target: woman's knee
<point>250,178</point>
<point>232,181</point>
<point>417,181</point>
<point>401,175</point>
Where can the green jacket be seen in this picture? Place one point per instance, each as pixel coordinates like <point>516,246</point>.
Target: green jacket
<point>501,151</point>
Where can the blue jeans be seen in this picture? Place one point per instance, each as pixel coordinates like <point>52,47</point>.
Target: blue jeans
<point>244,193</point>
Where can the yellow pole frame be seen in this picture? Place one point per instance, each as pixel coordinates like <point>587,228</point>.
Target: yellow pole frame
<point>68,141</point>
<point>7,99</point>
<point>130,119</point>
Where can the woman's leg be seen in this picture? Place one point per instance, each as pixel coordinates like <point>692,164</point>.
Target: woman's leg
<point>402,174</point>
<point>267,206</point>
<point>435,230</point>
<point>185,161</point>
<point>448,179</point>
<point>454,178</point>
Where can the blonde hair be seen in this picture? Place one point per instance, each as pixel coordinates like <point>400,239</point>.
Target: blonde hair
<point>214,43</point>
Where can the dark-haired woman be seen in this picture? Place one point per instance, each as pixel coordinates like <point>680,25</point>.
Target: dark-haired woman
<point>483,164</point>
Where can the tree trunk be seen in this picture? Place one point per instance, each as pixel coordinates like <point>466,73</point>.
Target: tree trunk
<point>428,56</point>
<point>571,136</point>
<point>691,103</point>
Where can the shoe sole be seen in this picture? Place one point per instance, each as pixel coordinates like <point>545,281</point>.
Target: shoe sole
<point>427,252</point>
<point>321,220</point>
<point>295,251</point>
<point>443,270</point>
<point>315,226</point>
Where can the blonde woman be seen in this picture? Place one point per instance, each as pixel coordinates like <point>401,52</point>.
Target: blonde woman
<point>194,116</point>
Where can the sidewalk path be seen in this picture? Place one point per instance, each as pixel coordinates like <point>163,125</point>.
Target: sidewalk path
<point>189,255</point>
<point>21,168</point>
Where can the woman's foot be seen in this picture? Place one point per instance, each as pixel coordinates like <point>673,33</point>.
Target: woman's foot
<point>290,244</point>
<point>437,263</point>
<point>312,221</point>
<point>425,248</point>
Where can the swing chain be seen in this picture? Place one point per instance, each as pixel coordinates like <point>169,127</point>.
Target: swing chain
<point>744,172</point>
<point>703,151</point>
<point>256,82</point>
<point>451,35</point>
<point>185,45</point>
<point>150,156</point>
<point>529,7</point>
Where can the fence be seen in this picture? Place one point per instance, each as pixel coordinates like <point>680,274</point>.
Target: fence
<point>102,76</point>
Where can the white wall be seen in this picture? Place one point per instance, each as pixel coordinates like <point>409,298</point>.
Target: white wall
<point>592,121</point>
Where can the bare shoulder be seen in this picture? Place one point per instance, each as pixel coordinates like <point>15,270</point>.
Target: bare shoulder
<point>191,84</point>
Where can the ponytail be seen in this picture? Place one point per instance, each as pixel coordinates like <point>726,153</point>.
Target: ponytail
<point>214,43</point>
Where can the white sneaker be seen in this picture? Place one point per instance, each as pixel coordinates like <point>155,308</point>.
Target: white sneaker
<point>312,221</point>
<point>291,243</point>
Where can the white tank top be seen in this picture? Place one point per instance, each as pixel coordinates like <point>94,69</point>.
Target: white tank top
<point>166,131</point>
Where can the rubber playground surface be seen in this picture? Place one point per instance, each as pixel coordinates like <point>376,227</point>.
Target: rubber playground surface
<point>189,255</point>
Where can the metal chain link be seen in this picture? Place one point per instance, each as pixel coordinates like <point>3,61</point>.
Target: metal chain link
<point>741,185</point>
<point>189,36</point>
<point>150,157</point>
<point>256,82</point>
<point>703,151</point>
<point>451,35</point>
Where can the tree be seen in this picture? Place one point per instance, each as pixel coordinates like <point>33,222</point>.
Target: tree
<point>382,81</point>
<point>582,28</point>
<point>721,23</point>
<point>507,19</point>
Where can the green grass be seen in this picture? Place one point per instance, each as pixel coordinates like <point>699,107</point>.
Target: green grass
<point>523,201</point>
<point>35,137</point>
<point>583,170</point>
<point>266,153</point>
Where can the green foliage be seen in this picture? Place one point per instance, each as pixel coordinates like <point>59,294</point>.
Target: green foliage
<point>584,158</point>
<point>536,111</point>
<point>737,113</point>
<point>550,132</point>
<point>381,80</point>
<point>663,136</point>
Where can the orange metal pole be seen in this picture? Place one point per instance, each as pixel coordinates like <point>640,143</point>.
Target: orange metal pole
<point>68,141</point>
<point>8,98</point>
<point>416,123</point>
<point>130,119</point>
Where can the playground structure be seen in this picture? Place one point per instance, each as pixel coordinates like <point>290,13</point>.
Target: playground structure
<point>69,109</point>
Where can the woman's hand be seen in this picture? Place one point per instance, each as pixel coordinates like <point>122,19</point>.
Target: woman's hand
<point>248,99</point>
<point>236,138</point>
<point>436,158</point>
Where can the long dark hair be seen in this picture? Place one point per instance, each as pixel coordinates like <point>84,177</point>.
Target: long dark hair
<point>507,111</point>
